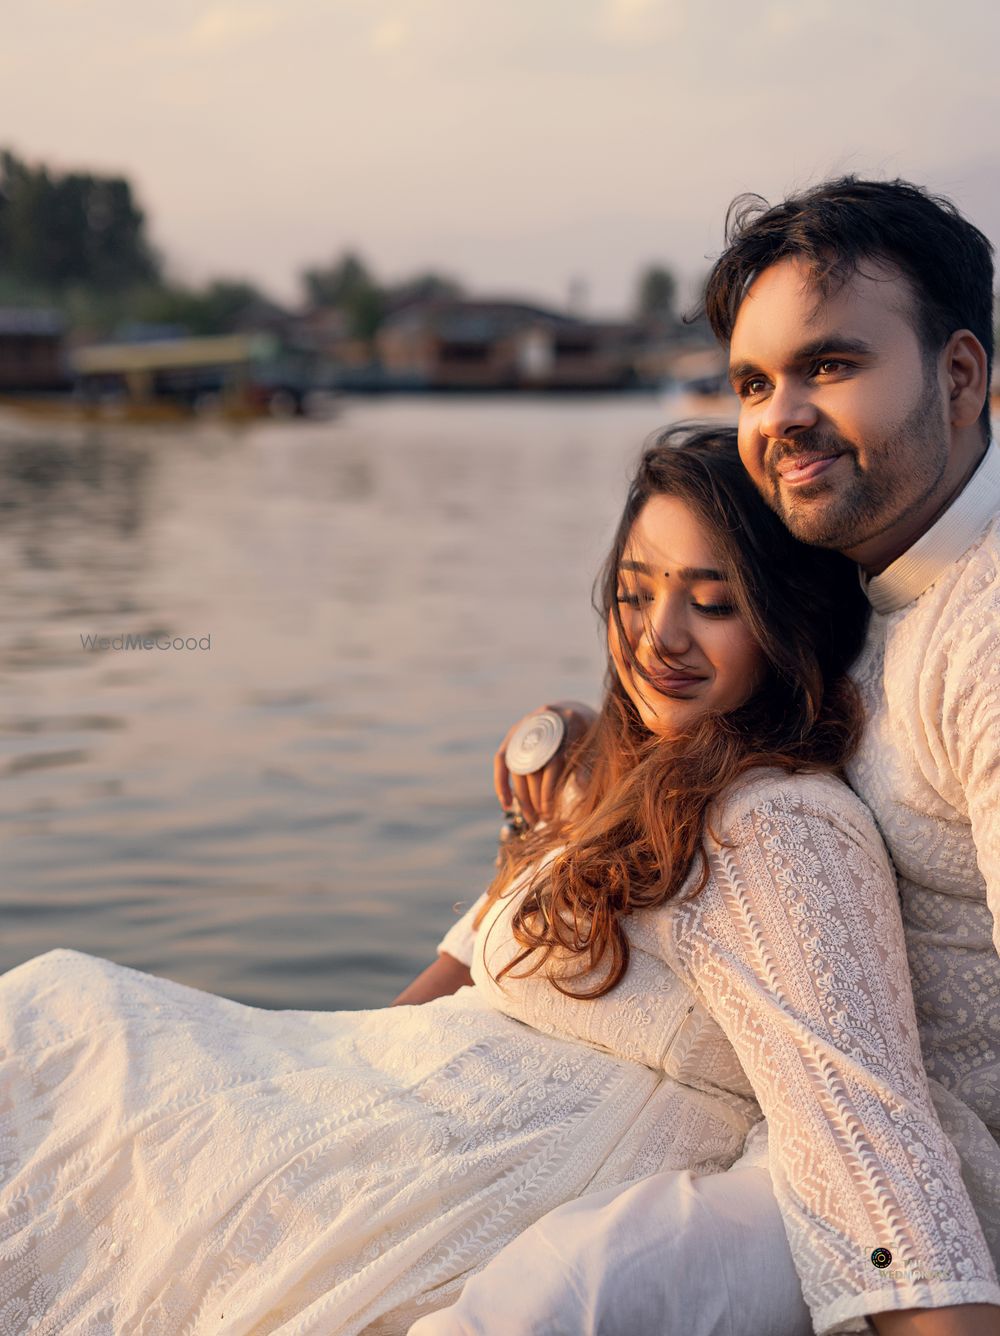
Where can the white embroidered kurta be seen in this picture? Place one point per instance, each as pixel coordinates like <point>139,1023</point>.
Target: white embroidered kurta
<point>175,1162</point>
<point>929,769</point>
<point>793,954</point>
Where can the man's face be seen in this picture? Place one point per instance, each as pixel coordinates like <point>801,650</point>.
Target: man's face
<point>843,425</point>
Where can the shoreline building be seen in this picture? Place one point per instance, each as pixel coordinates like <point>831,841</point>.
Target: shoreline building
<point>460,344</point>
<point>33,358</point>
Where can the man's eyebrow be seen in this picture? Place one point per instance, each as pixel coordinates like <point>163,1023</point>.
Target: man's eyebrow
<point>688,573</point>
<point>824,346</point>
<point>739,371</point>
<point>827,344</point>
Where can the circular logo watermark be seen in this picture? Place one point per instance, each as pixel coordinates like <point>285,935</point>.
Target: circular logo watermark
<point>881,1258</point>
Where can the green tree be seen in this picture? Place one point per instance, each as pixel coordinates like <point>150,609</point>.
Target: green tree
<point>365,312</point>
<point>218,308</point>
<point>348,285</point>
<point>656,293</point>
<point>57,231</point>
<point>338,283</point>
<point>424,287</point>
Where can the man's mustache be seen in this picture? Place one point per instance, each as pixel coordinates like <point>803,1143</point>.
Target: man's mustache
<point>808,443</point>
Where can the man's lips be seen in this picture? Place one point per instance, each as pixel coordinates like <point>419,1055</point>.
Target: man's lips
<point>804,468</point>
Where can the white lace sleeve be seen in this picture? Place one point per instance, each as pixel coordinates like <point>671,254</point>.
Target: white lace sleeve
<point>460,939</point>
<point>796,947</point>
<point>971,718</point>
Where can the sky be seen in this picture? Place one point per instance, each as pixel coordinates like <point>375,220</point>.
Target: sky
<point>519,145</point>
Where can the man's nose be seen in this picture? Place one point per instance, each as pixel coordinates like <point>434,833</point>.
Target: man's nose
<point>788,411</point>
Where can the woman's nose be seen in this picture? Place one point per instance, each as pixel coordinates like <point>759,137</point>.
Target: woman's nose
<point>667,631</point>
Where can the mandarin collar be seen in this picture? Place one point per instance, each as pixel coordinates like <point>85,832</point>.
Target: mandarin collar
<point>949,537</point>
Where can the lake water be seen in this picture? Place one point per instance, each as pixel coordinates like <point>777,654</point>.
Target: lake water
<point>288,814</point>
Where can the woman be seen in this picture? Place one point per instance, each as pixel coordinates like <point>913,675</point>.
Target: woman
<point>706,930</point>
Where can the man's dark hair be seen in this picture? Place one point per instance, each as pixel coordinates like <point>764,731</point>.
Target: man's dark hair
<point>837,225</point>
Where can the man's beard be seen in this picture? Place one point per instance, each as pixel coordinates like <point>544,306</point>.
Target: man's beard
<point>903,468</point>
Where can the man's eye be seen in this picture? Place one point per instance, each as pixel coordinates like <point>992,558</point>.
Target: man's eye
<point>755,385</point>
<point>830,366</point>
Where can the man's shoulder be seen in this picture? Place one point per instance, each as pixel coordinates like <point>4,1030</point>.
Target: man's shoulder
<point>769,794</point>
<point>952,642</point>
<point>978,575</point>
<point>966,617</point>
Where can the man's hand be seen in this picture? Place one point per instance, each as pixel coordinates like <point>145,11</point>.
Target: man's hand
<point>535,793</point>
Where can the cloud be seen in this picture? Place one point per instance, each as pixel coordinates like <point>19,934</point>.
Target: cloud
<point>630,21</point>
<point>390,34</point>
<point>222,24</point>
<point>783,19</point>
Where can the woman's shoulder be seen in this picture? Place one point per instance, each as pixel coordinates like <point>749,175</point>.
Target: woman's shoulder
<point>769,793</point>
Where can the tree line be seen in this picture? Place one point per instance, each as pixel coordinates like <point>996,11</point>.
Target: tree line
<point>78,241</point>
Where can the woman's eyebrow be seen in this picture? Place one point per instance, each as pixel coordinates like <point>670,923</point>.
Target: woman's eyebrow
<point>689,573</point>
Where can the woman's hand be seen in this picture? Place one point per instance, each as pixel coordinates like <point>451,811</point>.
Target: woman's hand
<point>955,1320</point>
<point>446,976</point>
<point>535,792</point>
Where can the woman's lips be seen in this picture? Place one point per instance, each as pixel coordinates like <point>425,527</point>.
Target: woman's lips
<point>804,468</point>
<point>671,682</point>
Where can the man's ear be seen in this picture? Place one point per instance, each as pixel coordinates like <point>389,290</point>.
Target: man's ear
<point>965,367</point>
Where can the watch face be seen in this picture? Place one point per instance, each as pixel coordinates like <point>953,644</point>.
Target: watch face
<point>535,743</point>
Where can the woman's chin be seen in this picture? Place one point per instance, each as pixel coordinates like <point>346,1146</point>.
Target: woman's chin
<point>667,721</point>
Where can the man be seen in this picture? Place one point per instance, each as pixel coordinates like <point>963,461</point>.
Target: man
<point>858,318</point>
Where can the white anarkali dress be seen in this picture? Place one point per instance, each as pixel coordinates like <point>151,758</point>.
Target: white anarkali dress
<point>174,1162</point>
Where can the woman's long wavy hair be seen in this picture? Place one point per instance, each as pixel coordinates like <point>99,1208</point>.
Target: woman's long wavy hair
<point>629,836</point>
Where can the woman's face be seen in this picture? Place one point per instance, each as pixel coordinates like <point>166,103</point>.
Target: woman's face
<point>674,601</point>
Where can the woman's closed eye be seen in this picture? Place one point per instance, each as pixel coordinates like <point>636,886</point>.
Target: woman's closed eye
<point>632,600</point>
<point>635,600</point>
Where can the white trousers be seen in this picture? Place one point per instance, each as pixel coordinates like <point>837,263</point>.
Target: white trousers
<point>671,1255</point>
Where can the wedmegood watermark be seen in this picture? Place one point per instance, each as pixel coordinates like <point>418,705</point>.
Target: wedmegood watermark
<point>882,1259</point>
<point>123,642</point>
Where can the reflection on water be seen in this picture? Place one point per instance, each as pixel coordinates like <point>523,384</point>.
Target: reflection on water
<point>287,815</point>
